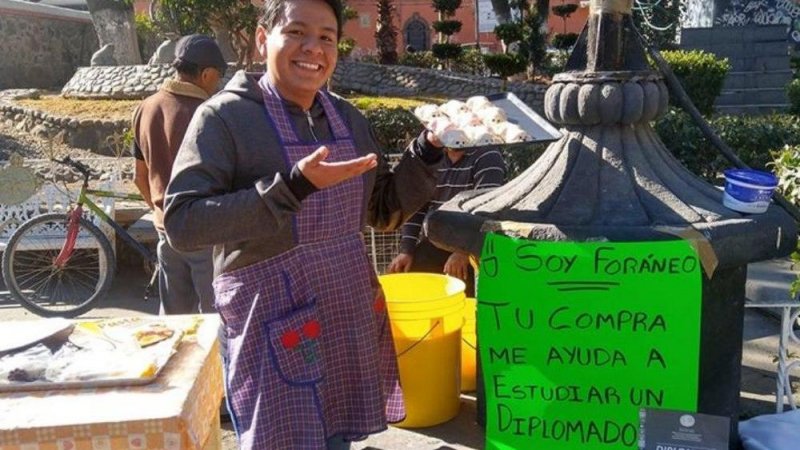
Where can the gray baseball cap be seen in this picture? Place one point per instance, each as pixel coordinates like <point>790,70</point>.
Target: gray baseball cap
<point>201,50</point>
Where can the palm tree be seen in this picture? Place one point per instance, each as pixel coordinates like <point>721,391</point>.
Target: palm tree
<point>386,33</point>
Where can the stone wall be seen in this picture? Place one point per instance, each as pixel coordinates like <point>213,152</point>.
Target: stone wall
<point>41,46</point>
<point>104,137</point>
<point>133,82</point>
<point>376,79</point>
<point>117,82</point>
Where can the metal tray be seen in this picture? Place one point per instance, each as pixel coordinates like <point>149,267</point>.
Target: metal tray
<point>166,349</point>
<point>93,384</point>
<point>520,114</point>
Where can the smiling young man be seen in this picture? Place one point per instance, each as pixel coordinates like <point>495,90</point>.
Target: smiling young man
<point>280,176</point>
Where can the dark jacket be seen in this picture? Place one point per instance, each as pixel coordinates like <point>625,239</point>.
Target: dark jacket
<point>229,182</point>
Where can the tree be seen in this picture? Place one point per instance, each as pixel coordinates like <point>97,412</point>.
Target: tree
<point>502,9</point>
<point>385,33</point>
<point>563,41</point>
<point>658,21</point>
<point>346,43</point>
<point>115,24</point>
<point>446,26</point>
<point>524,44</point>
<point>232,22</point>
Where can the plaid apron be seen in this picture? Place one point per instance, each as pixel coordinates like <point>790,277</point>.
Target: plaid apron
<point>310,352</point>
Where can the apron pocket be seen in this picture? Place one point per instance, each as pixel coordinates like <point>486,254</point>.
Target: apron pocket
<point>295,347</point>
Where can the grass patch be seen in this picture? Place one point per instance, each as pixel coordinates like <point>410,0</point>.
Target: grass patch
<point>366,103</point>
<point>82,109</point>
<point>123,109</point>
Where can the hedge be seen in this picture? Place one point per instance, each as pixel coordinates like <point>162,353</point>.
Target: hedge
<point>701,75</point>
<point>752,137</point>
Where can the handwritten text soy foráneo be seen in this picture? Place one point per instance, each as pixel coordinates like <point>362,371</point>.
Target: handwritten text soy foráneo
<point>605,261</point>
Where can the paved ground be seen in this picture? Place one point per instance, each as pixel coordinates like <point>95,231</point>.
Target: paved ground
<point>758,382</point>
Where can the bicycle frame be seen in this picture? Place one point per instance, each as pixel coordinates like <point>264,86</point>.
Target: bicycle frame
<point>84,200</point>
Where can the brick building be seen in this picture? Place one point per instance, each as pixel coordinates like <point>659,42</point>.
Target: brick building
<point>413,19</point>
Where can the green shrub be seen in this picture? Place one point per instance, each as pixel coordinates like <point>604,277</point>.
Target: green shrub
<point>564,41</point>
<point>394,127</point>
<point>470,61</point>
<point>752,137</point>
<point>146,34</point>
<point>504,65</point>
<point>509,32</point>
<point>346,46</point>
<point>447,27</point>
<point>786,165</point>
<point>446,5</point>
<point>520,158</point>
<point>793,92</point>
<point>425,60</point>
<point>564,10</point>
<point>446,51</point>
<point>701,75</point>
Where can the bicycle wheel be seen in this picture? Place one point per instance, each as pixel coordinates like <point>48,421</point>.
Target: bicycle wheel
<point>49,290</point>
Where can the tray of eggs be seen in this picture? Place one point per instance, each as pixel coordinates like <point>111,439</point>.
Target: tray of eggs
<point>497,120</point>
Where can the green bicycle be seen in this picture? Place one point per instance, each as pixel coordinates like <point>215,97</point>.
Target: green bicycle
<point>61,265</point>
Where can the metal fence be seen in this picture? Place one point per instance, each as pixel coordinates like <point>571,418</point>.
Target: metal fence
<point>382,247</point>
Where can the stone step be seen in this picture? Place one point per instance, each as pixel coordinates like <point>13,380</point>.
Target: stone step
<point>752,109</point>
<point>754,63</point>
<point>696,37</point>
<point>747,96</point>
<point>751,80</point>
<point>765,48</point>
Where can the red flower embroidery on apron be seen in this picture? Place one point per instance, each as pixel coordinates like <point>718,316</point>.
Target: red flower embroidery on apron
<point>290,339</point>
<point>311,329</point>
<point>308,346</point>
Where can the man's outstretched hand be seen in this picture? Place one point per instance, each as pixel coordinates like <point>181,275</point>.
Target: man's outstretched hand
<point>326,174</point>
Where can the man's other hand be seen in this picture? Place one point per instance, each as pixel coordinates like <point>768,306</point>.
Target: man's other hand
<point>457,265</point>
<point>401,263</point>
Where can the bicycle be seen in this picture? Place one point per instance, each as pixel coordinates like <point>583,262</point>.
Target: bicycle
<point>62,264</point>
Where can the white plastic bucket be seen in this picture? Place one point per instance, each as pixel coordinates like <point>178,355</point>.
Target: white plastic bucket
<point>748,191</point>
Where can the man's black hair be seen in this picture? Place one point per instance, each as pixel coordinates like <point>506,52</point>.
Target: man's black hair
<point>274,9</point>
<point>191,70</point>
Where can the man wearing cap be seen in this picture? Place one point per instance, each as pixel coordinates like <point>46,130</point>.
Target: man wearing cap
<point>159,125</point>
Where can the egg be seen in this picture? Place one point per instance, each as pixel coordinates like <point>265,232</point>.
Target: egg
<point>455,138</point>
<point>478,102</point>
<point>492,115</point>
<point>453,108</point>
<point>426,113</point>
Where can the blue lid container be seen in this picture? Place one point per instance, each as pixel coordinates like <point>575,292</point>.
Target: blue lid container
<point>754,177</point>
<point>748,191</point>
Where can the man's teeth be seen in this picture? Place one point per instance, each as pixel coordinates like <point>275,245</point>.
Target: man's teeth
<point>308,66</point>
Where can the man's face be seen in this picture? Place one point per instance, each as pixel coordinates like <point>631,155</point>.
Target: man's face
<point>301,49</point>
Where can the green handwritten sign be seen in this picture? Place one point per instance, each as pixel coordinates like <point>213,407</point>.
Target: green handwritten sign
<point>576,338</point>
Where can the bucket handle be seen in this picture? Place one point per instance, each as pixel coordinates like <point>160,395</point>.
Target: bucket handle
<point>420,339</point>
<point>464,340</point>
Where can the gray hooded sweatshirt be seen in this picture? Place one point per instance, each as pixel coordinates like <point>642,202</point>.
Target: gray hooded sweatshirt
<point>230,186</point>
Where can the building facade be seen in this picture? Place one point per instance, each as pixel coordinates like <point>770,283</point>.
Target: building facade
<point>414,18</point>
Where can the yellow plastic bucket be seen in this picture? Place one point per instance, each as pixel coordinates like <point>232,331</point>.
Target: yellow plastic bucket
<point>468,346</point>
<point>426,312</point>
